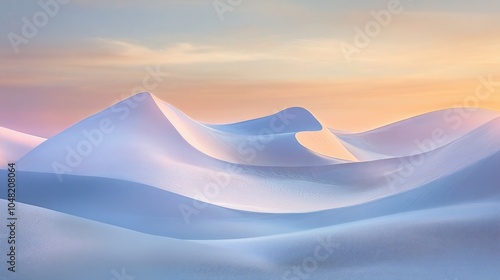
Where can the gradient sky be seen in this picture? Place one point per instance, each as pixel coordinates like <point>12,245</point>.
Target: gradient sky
<point>262,57</point>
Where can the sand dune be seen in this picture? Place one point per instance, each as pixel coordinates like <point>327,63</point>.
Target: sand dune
<point>415,135</point>
<point>416,199</point>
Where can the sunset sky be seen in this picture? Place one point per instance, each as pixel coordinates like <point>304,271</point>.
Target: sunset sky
<point>254,59</point>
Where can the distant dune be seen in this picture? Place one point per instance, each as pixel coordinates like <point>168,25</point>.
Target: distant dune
<point>14,145</point>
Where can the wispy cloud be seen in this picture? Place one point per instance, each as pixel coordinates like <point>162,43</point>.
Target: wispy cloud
<point>180,53</point>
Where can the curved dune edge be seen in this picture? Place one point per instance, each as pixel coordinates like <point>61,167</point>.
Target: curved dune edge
<point>325,143</point>
<point>228,146</point>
